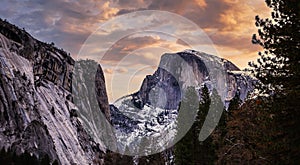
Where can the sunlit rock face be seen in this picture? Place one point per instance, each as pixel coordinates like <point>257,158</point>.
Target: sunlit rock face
<point>189,68</point>
<point>37,114</point>
<point>175,73</point>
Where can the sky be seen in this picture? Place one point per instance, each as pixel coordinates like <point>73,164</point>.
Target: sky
<point>113,32</point>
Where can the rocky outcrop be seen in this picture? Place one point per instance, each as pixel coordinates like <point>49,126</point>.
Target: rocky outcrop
<point>49,62</point>
<point>169,79</point>
<point>178,71</point>
<point>154,108</point>
<point>37,114</point>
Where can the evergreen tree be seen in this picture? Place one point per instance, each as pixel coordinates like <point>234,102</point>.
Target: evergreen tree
<point>187,110</point>
<point>10,157</point>
<point>278,66</point>
<point>265,130</point>
<point>189,150</point>
<point>235,102</point>
<point>217,109</point>
<point>112,158</point>
<point>184,149</point>
<point>155,159</point>
<point>278,71</point>
<point>204,153</point>
<point>126,159</point>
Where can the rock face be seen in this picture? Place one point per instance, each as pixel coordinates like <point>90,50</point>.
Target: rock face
<point>49,62</point>
<point>154,108</point>
<point>37,114</point>
<point>178,71</point>
<point>101,93</point>
<point>89,93</point>
<point>170,78</point>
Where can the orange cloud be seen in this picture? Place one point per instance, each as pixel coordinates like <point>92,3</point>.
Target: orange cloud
<point>230,23</point>
<point>118,70</point>
<point>108,71</point>
<point>201,3</point>
<point>107,11</point>
<point>233,39</point>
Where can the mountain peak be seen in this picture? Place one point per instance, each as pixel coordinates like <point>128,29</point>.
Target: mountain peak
<point>161,93</point>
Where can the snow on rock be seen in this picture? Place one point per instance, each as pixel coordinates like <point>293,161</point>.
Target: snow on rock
<point>191,68</point>
<point>151,112</point>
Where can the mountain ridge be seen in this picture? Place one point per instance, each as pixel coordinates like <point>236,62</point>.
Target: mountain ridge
<point>154,108</point>
<point>38,94</point>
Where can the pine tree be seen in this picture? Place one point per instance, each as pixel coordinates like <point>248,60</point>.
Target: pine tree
<point>217,109</point>
<point>278,66</point>
<point>189,150</point>
<point>126,159</point>
<point>184,149</point>
<point>204,153</point>
<point>187,110</point>
<point>45,160</point>
<point>265,130</point>
<point>203,108</point>
<point>235,102</point>
<point>278,71</point>
<point>155,159</point>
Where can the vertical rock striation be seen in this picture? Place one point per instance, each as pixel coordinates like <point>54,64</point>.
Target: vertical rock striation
<point>37,114</point>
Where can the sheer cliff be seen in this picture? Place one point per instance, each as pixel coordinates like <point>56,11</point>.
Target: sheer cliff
<point>154,108</point>
<point>37,114</point>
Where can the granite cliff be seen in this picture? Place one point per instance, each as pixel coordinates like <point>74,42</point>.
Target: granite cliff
<point>154,108</point>
<point>37,114</point>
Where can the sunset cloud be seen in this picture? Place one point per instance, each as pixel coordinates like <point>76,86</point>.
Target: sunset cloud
<point>127,45</point>
<point>69,23</point>
<point>228,23</point>
<point>112,70</point>
<point>108,70</point>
